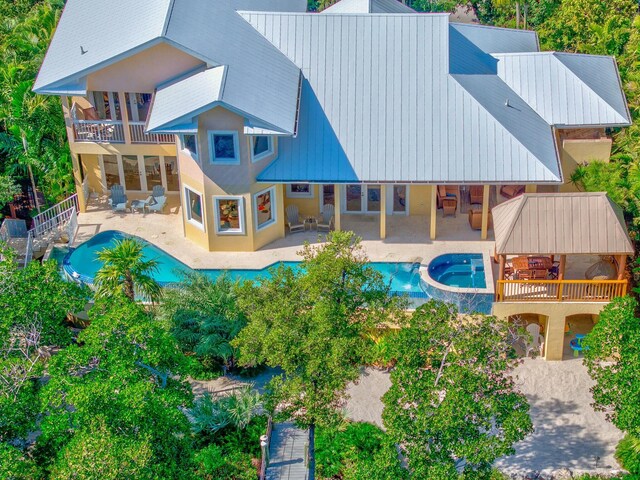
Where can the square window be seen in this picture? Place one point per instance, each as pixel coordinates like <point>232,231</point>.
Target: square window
<point>264,208</point>
<point>299,190</point>
<point>224,147</point>
<point>262,146</point>
<point>229,215</point>
<point>194,207</point>
<point>190,143</point>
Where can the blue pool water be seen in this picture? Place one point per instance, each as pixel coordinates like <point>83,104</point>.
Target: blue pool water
<point>462,270</point>
<point>82,264</point>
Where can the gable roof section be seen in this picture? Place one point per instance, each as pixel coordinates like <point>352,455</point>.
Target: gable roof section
<point>498,40</point>
<point>567,89</point>
<point>560,224</point>
<point>106,31</point>
<point>368,6</point>
<point>178,103</point>
<point>378,105</point>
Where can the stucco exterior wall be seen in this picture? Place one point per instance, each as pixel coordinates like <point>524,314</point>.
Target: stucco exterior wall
<point>91,169</point>
<point>306,206</point>
<point>419,199</point>
<point>142,72</point>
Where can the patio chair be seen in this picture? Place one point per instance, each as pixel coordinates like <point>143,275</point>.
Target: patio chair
<point>118,199</point>
<point>158,191</point>
<point>475,219</point>
<point>534,342</point>
<point>576,344</point>
<point>293,219</point>
<point>446,192</point>
<point>449,206</point>
<point>511,191</point>
<point>325,221</point>
<point>156,204</point>
<point>532,274</point>
<point>476,194</point>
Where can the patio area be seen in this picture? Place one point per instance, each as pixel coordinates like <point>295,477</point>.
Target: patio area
<point>407,238</point>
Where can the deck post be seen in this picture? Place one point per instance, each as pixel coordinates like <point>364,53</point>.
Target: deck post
<point>503,261</point>
<point>338,207</point>
<point>383,212</point>
<point>433,211</point>
<point>622,263</point>
<point>554,337</point>
<point>125,117</point>
<point>563,262</point>
<point>485,212</point>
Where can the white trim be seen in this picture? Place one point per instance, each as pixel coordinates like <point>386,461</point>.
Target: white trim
<point>265,154</point>
<point>291,194</point>
<point>187,208</point>
<point>274,216</point>
<point>216,215</point>
<point>194,155</point>
<point>212,153</point>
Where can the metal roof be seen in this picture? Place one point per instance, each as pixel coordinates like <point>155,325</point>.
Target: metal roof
<point>261,81</point>
<point>498,40</point>
<point>567,89</point>
<point>368,6</point>
<point>178,103</point>
<point>378,105</point>
<point>560,224</point>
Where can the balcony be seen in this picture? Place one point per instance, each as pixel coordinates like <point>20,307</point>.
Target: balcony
<point>559,290</point>
<point>138,135</point>
<point>98,131</point>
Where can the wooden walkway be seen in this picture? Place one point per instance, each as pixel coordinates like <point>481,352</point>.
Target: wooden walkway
<point>287,459</point>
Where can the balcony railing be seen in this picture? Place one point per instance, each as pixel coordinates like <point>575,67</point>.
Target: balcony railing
<point>559,290</point>
<point>98,131</point>
<point>138,135</point>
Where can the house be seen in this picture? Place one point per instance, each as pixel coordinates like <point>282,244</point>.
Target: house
<point>243,108</point>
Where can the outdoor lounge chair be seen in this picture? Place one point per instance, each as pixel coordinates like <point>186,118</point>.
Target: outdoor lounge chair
<point>476,193</point>
<point>325,221</point>
<point>293,219</point>
<point>158,191</point>
<point>156,204</point>
<point>534,341</point>
<point>118,199</point>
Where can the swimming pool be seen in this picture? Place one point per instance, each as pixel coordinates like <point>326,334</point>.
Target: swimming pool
<point>82,263</point>
<point>462,270</point>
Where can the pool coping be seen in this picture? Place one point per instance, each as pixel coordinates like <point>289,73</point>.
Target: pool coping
<point>488,275</point>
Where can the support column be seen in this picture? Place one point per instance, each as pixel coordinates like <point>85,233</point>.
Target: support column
<point>554,337</point>
<point>337,192</point>
<point>434,212</point>
<point>503,261</point>
<point>77,177</point>
<point>563,264</point>
<point>622,263</point>
<point>383,212</point>
<point>485,212</point>
<point>530,188</point>
<point>122,98</point>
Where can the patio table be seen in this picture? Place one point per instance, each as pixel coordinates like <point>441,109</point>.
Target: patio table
<point>532,263</point>
<point>138,205</point>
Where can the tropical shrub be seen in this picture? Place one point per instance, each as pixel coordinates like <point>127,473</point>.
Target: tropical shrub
<point>212,414</point>
<point>628,453</point>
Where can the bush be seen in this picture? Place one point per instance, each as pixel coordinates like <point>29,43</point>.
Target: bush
<point>628,453</point>
<point>214,463</point>
<point>354,451</point>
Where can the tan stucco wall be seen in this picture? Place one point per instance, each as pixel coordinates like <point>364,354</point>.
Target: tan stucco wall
<point>574,152</point>
<point>419,199</point>
<point>91,169</point>
<point>306,206</point>
<point>555,313</point>
<point>123,149</point>
<point>143,71</point>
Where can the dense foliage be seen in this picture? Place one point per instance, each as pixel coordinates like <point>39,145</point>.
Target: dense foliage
<point>452,403</point>
<point>33,140</point>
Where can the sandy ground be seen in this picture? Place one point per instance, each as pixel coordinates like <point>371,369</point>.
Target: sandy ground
<point>568,432</point>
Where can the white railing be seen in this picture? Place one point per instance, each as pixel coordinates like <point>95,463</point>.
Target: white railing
<point>28,252</point>
<point>98,131</point>
<point>72,228</point>
<point>139,136</point>
<point>55,216</point>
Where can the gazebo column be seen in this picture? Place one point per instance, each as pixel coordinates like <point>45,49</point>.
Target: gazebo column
<point>554,337</point>
<point>485,212</point>
<point>503,261</point>
<point>383,212</point>
<point>622,263</point>
<point>563,262</point>
<point>434,212</point>
<point>337,200</point>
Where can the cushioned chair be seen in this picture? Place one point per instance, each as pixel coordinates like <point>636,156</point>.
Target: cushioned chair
<point>511,191</point>
<point>475,219</point>
<point>446,191</point>
<point>293,219</point>
<point>476,193</point>
<point>449,206</point>
<point>325,221</point>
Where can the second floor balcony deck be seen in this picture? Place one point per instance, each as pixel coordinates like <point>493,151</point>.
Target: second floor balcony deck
<point>115,131</point>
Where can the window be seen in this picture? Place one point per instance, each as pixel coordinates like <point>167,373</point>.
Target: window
<point>131,170</point>
<point>229,215</point>
<point>263,207</point>
<point>193,201</point>
<point>171,173</point>
<point>111,171</point>
<point>261,147</point>
<point>223,147</point>
<point>152,171</point>
<point>190,144</point>
<point>299,190</point>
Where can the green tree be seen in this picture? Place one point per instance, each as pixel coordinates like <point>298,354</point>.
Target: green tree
<point>612,358</point>
<point>312,323</point>
<point>8,190</point>
<point>126,271</point>
<point>204,317</point>
<point>451,397</point>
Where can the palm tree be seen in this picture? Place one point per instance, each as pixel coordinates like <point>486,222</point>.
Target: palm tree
<point>126,271</point>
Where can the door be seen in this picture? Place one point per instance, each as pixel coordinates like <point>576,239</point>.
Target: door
<point>354,198</point>
<point>362,198</point>
<point>132,173</point>
<point>400,197</point>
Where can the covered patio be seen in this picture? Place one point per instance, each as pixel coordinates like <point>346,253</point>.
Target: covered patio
<point>559,255</point>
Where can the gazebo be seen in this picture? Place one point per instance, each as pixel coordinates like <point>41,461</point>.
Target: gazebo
<point>534,234</point>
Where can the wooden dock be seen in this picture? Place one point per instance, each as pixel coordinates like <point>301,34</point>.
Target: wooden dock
<point>287,453</point>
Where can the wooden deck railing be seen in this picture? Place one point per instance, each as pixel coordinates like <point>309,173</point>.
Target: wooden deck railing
<point>559,290</point>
